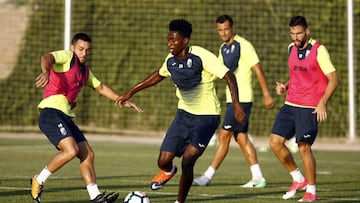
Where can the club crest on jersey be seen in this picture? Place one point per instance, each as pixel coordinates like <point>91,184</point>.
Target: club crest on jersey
<point>189,63</point>
<point>232,49</point>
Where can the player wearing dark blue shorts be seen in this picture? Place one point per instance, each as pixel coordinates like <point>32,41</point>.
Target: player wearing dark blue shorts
<point>56,126</point>
<point>239,55</point>
<point>231,124</point>
<point>186,129</point>
<point>312,81</point>
<point>298,121</point>
<point>193,70</point>
<point>64,74</point>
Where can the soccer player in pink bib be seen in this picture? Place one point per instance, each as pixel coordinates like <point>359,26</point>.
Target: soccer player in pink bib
<point>312,81</point>
<point>64,74</point>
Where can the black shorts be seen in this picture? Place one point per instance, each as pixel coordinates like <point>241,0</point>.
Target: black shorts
<point>56,126</point>
<point>231,124</point>
<point>297,121</point>
<point>187,128</point>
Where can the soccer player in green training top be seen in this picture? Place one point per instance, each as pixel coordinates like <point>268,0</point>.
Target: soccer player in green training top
<point>64,74</point>
<point>193,70</point>
<point>240,57</point>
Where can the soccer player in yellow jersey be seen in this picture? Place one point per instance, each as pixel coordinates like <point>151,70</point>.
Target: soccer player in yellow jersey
<point>64,74</point>
<point>312,81</point>
<point>240,57</point>
<point>193,70</point>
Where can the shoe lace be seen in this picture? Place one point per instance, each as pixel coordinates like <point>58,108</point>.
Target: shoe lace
<point>38,187</point>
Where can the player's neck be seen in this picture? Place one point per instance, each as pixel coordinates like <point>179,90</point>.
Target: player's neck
<point>231,40</point>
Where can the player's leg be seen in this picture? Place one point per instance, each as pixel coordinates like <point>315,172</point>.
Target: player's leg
<point>309,164</point>
<point>189,158</point>
<point>87,169</point>
<point>172,145</point>
<point>55,125</point>
<point>168,170</point>
<point>224,134</point>
<point>224,137</point>
<point>306,134</point>
<point>277,145</point>
<point>283,129</point>
<point>222,149</point>
<point>201,129</point>
<point>68,151</point>
<point>249,151</point>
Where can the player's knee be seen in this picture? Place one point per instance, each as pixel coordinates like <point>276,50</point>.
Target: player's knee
<point>72,152</point>
<point>164,164</point>
<point>275,143</point>
<point>90,155</point>
<point>188,162</point>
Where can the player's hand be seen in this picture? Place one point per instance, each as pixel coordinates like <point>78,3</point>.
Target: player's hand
<point>320,111</point>
<point>269,102</point>
<point>129,104</point>
<point>280,88</point>
<point>239,114</point>
<point>42,80</point>
<point>121,99</point>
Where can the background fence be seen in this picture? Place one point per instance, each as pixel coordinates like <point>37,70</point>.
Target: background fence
<point>129,42</point>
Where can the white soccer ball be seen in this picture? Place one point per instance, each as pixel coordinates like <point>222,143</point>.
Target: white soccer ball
<point>137,197</point>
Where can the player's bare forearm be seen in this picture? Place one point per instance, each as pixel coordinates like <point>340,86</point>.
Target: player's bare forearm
<point>107,92</point>
<point>111,94</point>
<point>232,84</point>
<point>149,81</point>
<point>333,82</point>
<point>47,60</point>
<point>268,100</point>
<point>320,109</point>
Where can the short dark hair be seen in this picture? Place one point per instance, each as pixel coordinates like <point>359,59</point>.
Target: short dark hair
<point>182,26</point>
<point>221,19</point>
<point>298,20</point>
<point>81,36</point>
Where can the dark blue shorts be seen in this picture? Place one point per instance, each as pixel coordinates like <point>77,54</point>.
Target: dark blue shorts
<point>231,124</point>
<point>297,121</point>
<point>56,126</point>
<point>187,128</point>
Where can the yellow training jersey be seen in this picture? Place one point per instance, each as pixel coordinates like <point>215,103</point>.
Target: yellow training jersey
<point>242,55</point>
<point>194,79</point>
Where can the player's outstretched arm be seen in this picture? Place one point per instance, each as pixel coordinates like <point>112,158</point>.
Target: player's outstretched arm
<point>149,81</point>
<point>109,93</point>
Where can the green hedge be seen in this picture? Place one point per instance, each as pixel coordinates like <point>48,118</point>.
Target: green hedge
<point>129,42</point>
